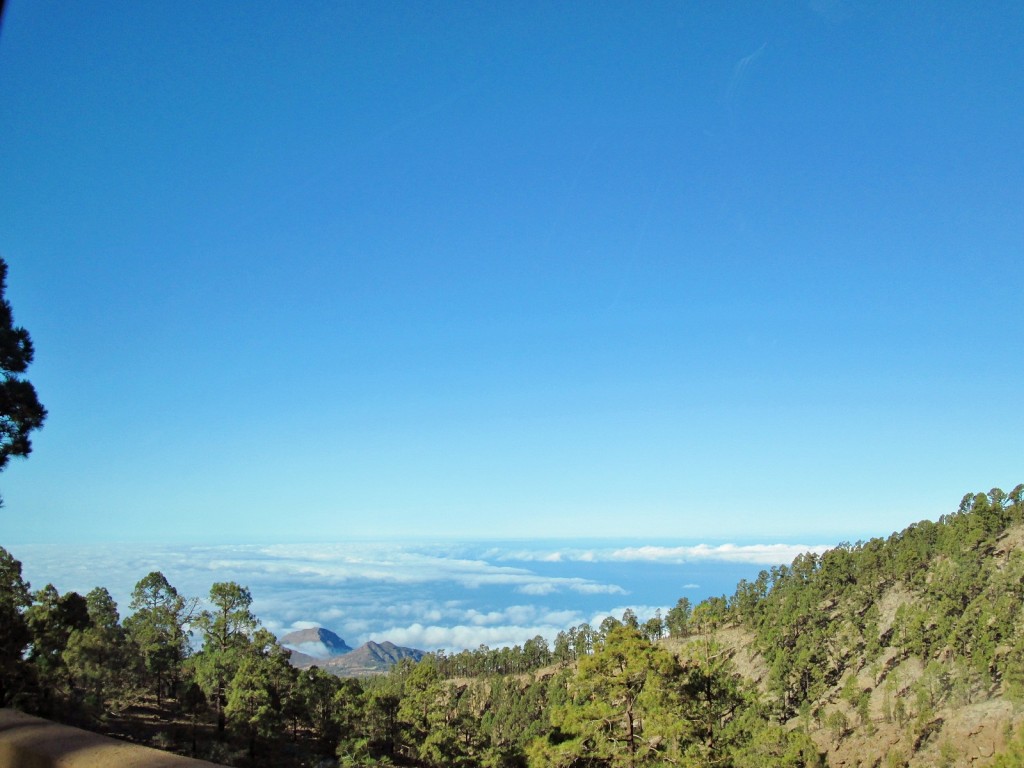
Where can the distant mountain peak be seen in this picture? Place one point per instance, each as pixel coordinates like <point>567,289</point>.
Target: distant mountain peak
<point>317,642</point>
<point>368,659</point>
<point>371,659</point>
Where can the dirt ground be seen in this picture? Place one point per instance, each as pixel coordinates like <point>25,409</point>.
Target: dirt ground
<point>31,742</point>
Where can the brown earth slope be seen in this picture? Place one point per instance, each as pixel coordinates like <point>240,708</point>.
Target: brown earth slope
<point>31,742</point>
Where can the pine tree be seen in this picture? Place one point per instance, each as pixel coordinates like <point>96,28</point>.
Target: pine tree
<point>20,409</point>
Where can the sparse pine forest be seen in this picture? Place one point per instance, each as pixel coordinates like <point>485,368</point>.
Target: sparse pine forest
<point>890,652</point>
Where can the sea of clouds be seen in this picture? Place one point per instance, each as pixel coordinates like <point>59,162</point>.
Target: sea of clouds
<point>427,595</point>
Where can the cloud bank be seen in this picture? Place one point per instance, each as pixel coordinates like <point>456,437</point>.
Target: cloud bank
<point>426,595</point>
<point>760,554</point>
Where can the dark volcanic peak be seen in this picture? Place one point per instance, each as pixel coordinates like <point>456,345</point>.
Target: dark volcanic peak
<point>317,642</point>
<point>366,660</point>
<point>371,659</point>
<point>385,653</point>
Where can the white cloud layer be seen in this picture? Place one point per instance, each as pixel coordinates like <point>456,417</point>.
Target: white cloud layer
<point>423,595</point>
<point>761,554</point>
<point>315,649</point>
<point>458,637</point>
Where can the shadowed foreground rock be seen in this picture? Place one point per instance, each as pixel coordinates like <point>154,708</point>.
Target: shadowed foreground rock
<point>31,742</point>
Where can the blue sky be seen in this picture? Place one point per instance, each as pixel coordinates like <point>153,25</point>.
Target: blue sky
<point>719,271</point>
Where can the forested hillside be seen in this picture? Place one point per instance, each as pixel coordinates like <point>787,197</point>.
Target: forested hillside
<point>903,650</point>
<point>900,651</point>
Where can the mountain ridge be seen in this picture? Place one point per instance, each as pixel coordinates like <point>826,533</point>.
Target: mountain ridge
<point>371,658</point>
<point>334,655</point>
<point>905,651</point>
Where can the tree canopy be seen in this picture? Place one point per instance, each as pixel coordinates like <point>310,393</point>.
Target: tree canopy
<point>20,409</point>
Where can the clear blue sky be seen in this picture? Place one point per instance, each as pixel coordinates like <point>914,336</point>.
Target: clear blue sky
<point>694,270</point>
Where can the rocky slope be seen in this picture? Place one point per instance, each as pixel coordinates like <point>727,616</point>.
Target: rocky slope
<point>370,659</point>
<point>917,656</point>
<point>323,648</point>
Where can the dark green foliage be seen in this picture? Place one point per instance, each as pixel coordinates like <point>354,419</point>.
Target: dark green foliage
<point>967,603</point>
<point>226,634</point>
<point>157,628</point>
<point>532,655</point>
<point>52,619</point>
<point>14,630</point>
<point>654,628</point>
<point>316,706</point>
<point>710,695</point>
<point>257,694</point>
<point>381,731</point>
<point>767,743</point>
<point>678,618</point>
<point>20,409</point>
<point>515,714</point>
<point>98,657</point>
<point>618,704</point>
<point>709,615</point>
